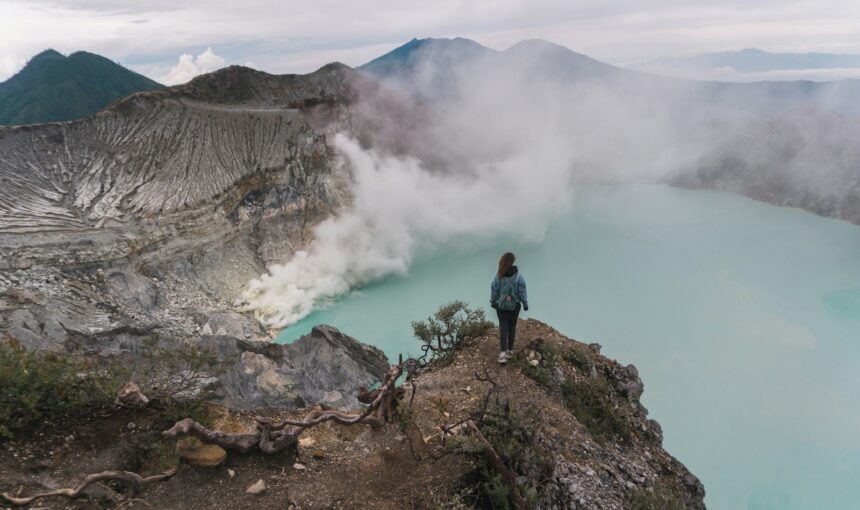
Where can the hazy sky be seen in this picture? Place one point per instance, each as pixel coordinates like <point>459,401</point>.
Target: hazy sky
<point>173,40</point>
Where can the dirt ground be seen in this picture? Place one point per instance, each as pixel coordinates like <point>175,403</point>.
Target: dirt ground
<point>339,467</point>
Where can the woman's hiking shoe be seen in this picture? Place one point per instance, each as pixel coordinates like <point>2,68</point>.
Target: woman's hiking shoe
<point>503,357</point>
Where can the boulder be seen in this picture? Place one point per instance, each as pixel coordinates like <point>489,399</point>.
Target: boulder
<point>226,322</point>
<point>42,333</point>
<point>257,487</point>
<point>307,442</point>
<point>334,366</point>
<point>131,289</point>
<point>628,382</point>
<point>131,396</point>
<point>325,367</point>
<point>200,454</point>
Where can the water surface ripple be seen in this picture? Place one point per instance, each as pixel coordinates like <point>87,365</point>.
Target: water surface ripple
<point>743,319</point>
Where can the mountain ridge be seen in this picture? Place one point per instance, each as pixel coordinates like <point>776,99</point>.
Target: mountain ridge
<point>244,159</point>
<point>57,88</point>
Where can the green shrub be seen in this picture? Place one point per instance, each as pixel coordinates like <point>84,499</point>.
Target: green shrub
<point>175,377</point>
<point>658,498</point>
<point>579,357</point>
<point>543,372</point>
<point>494,490</point>
<point>39,386</point>
<point>164,455</point>
<point>172,411</point>
<point>35,387</point>
<point>590,402</point>
<point>539,374</point>
<point>513,435</point>
<point>448,329</point>
<point>173,371</point>
<point>546,350</point>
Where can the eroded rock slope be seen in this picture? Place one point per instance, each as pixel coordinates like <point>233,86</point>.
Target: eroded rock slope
<point>152,215</point>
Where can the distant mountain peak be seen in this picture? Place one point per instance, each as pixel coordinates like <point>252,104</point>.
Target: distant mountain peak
<point>48,54</point>
<point>442,42</point>
<point>82,53</point>
<point>407,51</point>
<point>429,69</point>
<point>443,53</point>
<point>538,44</point>
<point>53,87</point>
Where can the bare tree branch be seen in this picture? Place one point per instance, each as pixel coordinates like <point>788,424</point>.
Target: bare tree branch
<point>132,480</point>
<point>271,437</point>
<point>491,457</point>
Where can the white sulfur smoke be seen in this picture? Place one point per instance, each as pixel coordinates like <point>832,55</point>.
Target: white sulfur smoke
<point>401,209</point>
<point>502,140</point>
<point>499,156</point>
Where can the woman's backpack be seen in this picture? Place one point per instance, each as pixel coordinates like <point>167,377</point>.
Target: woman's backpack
<point>508,300</point>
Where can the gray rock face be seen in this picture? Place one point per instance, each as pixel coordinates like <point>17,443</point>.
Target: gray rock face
<point>132,289</point>
<point>324,367</point>
<point>144,223</point>
<point>331,361</point>
<point>153,215</point>
<point>226,322</point>
<point>628,382</point>
<point>156,154</point>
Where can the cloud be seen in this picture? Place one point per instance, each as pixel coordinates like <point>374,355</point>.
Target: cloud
<point>295,36</point>
<point>498,159</point>
<point>818,74</point>
<point>402,210</point>
<point>10,65</point>
<point>189,67</point>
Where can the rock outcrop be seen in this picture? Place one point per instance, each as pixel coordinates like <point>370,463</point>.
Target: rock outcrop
<point>194,452</point>
<point>570,428</point>
<point>151,216</point>
<point>325,367</point>
<point>144,222</point>
<point>589,440</point>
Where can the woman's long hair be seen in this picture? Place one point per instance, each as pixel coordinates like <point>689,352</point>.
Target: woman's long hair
<point>505,263</point>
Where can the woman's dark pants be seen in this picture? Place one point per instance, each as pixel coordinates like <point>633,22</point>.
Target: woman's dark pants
<point>507,328</point>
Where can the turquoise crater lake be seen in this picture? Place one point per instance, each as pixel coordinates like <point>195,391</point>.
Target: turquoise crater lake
<point>743,319</point>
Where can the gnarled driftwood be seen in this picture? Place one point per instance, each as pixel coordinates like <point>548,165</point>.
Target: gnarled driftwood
<point>273,437</point>
<point>132,480</point>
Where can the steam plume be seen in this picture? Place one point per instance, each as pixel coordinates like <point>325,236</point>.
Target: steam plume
<point>501,149</point>
<point>400,209</point>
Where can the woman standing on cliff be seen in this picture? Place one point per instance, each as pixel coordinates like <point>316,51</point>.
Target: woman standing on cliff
<point>507,292</point>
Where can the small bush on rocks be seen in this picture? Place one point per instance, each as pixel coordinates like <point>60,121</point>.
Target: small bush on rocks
<point>448,329</point>
<point>590,402</point>
<point>657,498</point>
<point>513,435</point>
<point>579,357</point>
<point>542,373</point>
<point>546,350</point>
<point>539,374</point>
<point>589,399</point>
<point>39,386</point>
<point>36,387</point>
<point>175,372</point>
